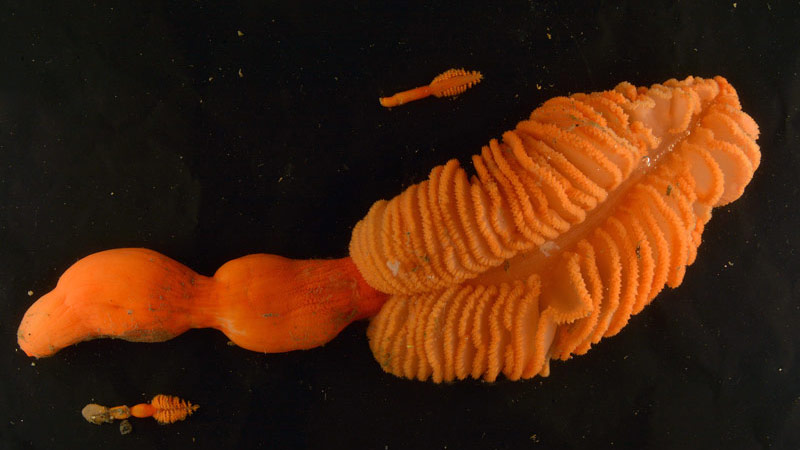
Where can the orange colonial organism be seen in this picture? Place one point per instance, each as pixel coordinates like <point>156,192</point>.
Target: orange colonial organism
<point>447,84</point>
<point>571,224</point>
<point>164,408</point>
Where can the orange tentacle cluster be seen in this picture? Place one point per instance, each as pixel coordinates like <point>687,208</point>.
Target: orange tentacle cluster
<point>165,409</point>
<point>572,223</point>
<point>459,81</point>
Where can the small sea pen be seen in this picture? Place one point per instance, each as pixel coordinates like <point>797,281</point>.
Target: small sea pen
<point>164,408</point>
<point>448,84</point>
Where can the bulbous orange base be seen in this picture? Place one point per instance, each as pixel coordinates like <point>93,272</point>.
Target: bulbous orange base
<point>264,303</point>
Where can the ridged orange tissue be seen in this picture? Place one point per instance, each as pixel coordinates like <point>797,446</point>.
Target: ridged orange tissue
<point>571,224</point>
<point>165,409</point>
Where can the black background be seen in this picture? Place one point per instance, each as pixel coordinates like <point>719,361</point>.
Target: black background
<point>127,125</point>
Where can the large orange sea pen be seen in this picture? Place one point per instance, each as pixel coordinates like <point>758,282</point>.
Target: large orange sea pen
<point>572,223</point>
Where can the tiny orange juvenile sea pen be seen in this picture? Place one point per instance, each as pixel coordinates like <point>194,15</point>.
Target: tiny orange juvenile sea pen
<point>164,408</point>
<point>448,84</point>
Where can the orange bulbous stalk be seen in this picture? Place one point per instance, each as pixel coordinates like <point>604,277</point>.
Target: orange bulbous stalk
<point>264,303</point>
<point>449,83</point>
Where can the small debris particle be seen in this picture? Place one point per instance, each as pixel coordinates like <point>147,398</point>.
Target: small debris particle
<point>669,189</point>
<point>549,36</point>
<point>33,364</point>
<point>534,438</point>
<point>231,344</point>
<point>239,33</point>
<point>210,78</point>
<point>538,87</point>
<point>125,427</point>
<point>506,265</point>
<point>548,248</point>
<point>394,266</point>
<point>30,293</point>
<point>241,75</point>
<point>638,251</point>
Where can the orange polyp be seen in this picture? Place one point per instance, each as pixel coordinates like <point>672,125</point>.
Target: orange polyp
<point>447,84</point>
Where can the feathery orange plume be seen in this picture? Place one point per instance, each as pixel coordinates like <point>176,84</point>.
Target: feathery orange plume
<point>449,83</point>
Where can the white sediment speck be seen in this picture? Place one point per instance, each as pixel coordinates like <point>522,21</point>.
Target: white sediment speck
<point>394,266</point>
<point>548,247</point>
